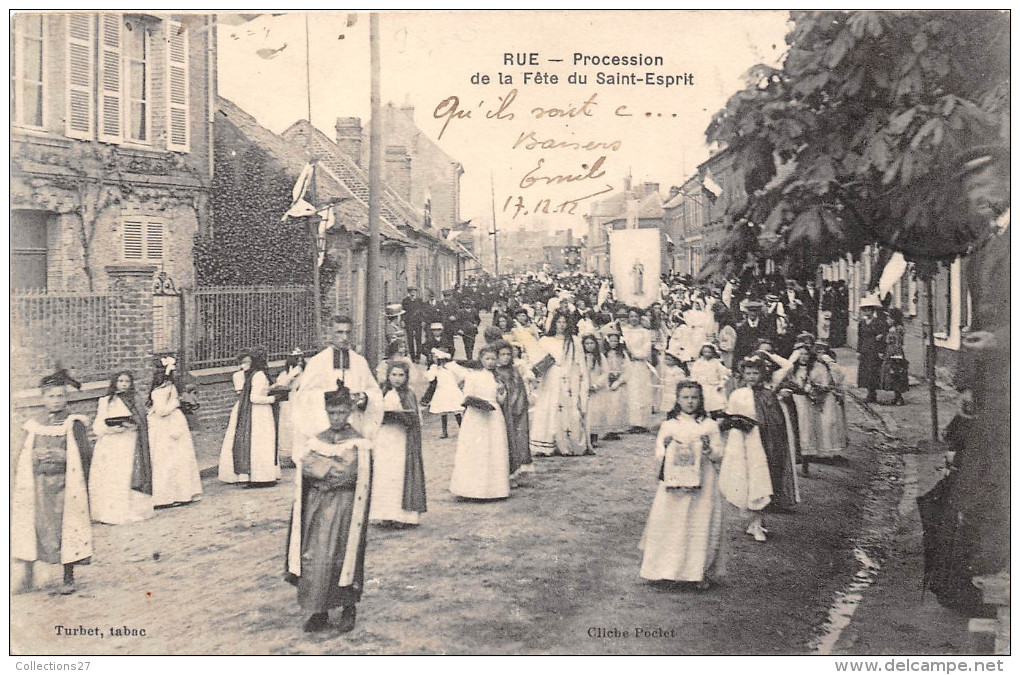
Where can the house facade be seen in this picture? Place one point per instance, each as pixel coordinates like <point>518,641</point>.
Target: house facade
<point>110,145</point>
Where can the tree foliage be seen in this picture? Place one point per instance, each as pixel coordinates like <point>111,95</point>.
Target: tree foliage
<point>852,141</point>
<point>249,244</point>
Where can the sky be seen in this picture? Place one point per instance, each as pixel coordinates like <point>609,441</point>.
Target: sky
<point>652,132</point>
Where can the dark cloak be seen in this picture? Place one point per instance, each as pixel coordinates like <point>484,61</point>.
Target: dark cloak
<point>772,428</point>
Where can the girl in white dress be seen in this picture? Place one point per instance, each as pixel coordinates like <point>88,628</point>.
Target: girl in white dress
<point>398,479</point>
<point>708,371</point>
<point>448,398</point>
<point>120,482</point>
<point>175,478</point>
<point>682,539</point>
<point>287,432</point>
<point>561,398</point>
<point>249,452</point>
<point>481,465</point>
<point>640,385</point>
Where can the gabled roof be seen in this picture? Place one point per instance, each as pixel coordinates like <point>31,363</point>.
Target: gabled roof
<point>292,158</point>
<point>393,209</point>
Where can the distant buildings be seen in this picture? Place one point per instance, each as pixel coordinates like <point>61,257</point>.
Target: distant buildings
<point>634,207</point>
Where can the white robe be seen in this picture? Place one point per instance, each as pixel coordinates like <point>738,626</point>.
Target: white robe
<point>265,467</point>
<point>712,375</point>
<point>481,465</point>
<point>75,528</point>
<point>640,380</point>
<point>448,398</point>
<point>320,377</point>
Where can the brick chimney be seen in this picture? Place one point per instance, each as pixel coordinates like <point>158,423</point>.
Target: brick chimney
<point>649,188</point>
<point>397,171</point>
<point>348,137</point>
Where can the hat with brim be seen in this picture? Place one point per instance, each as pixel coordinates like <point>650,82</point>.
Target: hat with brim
<point>393,311</point>
<point>753,304</point>
<point>805,336</point>
<point>435,326</point>
<point>771,297</point>
<point>711,346</point>
<point>870,301</point>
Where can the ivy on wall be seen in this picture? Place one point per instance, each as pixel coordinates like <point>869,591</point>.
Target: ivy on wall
<point>248,243</point>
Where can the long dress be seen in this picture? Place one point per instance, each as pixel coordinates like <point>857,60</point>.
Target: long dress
<point>744,477</point>
<point>833,439</point>
<point>175,476</point>
<point>249,453</point>
<point>114,498</point>
<point>894,363</point>
<point>640,384</point>
<point>515,414</point>
<point>670,377</point>
<point>561,400</point>
<point>598,397</point>
<point>683,536</point>
<point>287,434</point>
<point>712,375</point>
<point>329,523</point>
<point>611,405</point>
<point>389,473</point>
<point>481,464</point>
<point>870,345</point>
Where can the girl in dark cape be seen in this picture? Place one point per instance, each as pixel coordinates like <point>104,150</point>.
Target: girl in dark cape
<point>398,485</point>
<point>120,484</point>
<point>515,409</point>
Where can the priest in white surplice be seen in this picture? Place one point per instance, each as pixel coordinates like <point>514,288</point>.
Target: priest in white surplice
<point>337,362</point>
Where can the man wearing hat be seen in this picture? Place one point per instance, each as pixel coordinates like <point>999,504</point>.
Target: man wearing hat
<point>871,346</point>
<point>754,327</point>
<point>414,320</point>
<point>436,339</point>
<point>980,495</point>
<point>50,503</point>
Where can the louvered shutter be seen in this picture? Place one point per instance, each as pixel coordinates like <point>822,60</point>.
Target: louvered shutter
<point>110,78</point>
<point>132,240</point>
<point>154,241</point>
<point>178,131</point>
<point>80,67</point>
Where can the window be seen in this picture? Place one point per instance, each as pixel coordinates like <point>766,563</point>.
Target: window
<point>28,249</point>
<point>27,61</point>
<point>137,75</point>
<point>143,240</point>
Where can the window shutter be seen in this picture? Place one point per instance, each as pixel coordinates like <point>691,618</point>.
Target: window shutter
<point>154,241</point>
<point>132,240</point>
<point>80,58</point>
<point>110,69</point>
<point>178,131</point>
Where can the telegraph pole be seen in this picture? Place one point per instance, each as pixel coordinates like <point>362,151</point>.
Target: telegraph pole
<point>495,231</point>
<point>373,285</point>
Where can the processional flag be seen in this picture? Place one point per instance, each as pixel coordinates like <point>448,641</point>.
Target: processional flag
<point>299,207</point>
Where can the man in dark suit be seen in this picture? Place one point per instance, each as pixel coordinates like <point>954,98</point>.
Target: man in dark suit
<point>871,331</point>
<point>753,328</point>
<point>414,319</point>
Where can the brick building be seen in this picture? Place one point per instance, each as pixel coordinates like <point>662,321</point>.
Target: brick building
<point>111,164</point>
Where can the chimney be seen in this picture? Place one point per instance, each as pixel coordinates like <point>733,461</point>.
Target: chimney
<point>649,188</point>
<point>407,108</point>
<point>348,137</point>
<point>397,170</point>
<point>626,183</point>
<point>674,191</point>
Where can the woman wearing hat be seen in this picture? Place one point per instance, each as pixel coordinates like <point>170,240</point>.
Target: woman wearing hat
<point>249,450</point>
<point>871,346</point>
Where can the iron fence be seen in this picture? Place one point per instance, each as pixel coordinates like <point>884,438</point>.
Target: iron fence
<point>72,329</point>
<point>223,320</point>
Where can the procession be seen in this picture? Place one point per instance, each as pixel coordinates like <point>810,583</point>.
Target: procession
<point>345,420</point>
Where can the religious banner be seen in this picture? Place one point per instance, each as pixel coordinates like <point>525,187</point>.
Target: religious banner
<point>635,262</point>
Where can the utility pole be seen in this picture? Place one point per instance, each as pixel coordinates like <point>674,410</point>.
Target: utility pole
<point>373,286</point>
<point>495,230</point>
